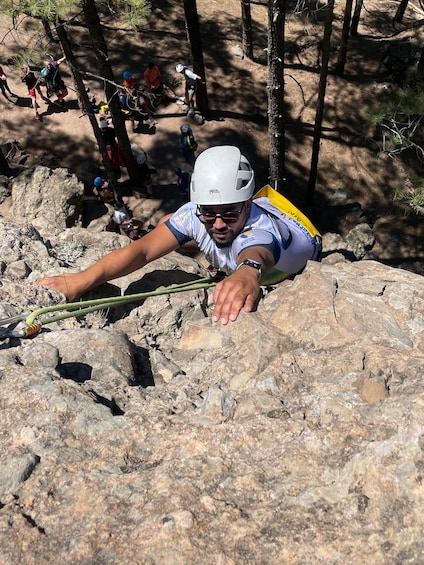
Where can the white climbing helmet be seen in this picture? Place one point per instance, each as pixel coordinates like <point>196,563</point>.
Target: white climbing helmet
<point>179,68</point>
<point>120,216</point>
<point>221,175</point>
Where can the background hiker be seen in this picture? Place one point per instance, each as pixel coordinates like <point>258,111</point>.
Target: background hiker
<point>144,173</point>
<point>153,79</point>
<point>191,80</point>
<point>104,191</point>
<point>107,132</point>
<point>134,103</point>
<point>116,158</point>
<point>188,144</point>
<point>183,181</point>
<point>237,236</point>
<point>54,82</point>
<point>32,83</point>
<point>4,86</point>
<point>131,227</point>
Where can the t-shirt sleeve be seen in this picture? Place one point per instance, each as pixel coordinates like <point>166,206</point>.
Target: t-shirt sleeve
<point>180,237</point>
<point>257,237</point>
<point>184,224</point>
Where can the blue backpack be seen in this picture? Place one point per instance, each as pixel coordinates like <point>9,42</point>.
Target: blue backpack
<point>187,141</point>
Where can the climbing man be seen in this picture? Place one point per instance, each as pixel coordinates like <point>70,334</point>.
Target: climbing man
<point>248,239</point>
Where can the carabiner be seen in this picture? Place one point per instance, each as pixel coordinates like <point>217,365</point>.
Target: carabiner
<point>14,326</point>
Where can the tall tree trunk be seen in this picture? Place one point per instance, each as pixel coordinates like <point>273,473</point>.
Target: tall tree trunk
<point>82,95</point>
<point>341,61</point>
<point>48,31</point>
<point>356,17</point>
<point>4,165</point>
<point>310,191</point>
<point>276,131</point>
<point>400,12</point>
<point>246,29</point>
<point>105,70</point>
<point>195,42</point>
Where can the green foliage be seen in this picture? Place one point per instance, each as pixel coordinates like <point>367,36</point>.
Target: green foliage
<point>398,119</point>
<point>396,123</point>
<point>412,194</point>
<point>137,10</point>
<point>52,10</point>
<point>48,10</point>
<point>27,55</point>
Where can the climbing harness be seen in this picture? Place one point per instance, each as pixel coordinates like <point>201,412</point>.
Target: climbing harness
<point>28,325</point>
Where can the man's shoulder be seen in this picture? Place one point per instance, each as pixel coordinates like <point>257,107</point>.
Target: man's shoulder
<point>188,207</point>
<point>265,207</point>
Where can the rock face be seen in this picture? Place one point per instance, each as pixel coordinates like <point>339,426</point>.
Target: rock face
<point>148,434</point>
<point>46,198</point>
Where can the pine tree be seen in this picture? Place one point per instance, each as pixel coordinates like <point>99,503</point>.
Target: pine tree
<point>195,42</point>
<point>276,22</point>
<point>326,44</point>
<point>246,29</point>
<point>341,61</point>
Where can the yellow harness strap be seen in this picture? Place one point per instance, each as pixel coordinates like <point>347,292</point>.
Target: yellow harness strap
<point>285,206</point>
<point>281,202</point>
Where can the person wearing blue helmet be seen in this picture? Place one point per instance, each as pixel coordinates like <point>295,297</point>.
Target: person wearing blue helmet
<point>104,191</point>
<point>129,80</point>
<point>133,104</point>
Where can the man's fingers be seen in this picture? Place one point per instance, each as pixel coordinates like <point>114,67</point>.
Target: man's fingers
<point>230,297</point>
<point>59,282</point>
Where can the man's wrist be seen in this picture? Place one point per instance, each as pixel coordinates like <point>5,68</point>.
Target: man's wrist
<point>253,264</point>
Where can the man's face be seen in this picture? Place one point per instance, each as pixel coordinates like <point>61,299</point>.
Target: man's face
<point>223,223</point>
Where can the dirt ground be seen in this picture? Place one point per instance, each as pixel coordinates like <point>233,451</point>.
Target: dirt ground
<point>354,184</point>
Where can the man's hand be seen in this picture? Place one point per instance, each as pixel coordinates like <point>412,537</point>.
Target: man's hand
<point>69,285</point>
<point>237,292</point>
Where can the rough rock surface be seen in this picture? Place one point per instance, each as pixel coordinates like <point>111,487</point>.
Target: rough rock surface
<point>47,198</point>
<point>148,434</point>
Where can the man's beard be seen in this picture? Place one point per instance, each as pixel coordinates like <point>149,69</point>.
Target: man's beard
<point>222,244</point>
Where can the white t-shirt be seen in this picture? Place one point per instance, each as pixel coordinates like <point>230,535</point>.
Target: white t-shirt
<point>190,74</point>
<point>289,242</point>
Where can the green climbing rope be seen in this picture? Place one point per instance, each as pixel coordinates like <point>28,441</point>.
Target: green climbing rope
<point>35,320</point>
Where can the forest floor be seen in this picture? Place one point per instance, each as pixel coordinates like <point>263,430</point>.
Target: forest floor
<point>354,184</point>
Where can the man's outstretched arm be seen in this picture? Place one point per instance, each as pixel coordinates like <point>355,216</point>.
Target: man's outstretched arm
<point>116,264</point>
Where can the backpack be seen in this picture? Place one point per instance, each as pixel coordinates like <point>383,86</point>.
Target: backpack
<point>187,141</point>
<point>280,202</point>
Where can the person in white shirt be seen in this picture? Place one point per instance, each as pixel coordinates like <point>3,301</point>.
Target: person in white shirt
<point>238,236</point>
<point>191,81</point>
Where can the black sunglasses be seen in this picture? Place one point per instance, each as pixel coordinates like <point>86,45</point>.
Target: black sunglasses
<point>227,216</point>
